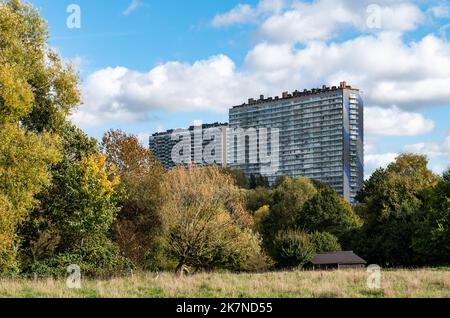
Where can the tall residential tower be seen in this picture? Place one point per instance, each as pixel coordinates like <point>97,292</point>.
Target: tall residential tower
<point>321,135</point>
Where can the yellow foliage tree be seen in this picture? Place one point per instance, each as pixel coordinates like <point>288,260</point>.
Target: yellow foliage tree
<point>206,223</point>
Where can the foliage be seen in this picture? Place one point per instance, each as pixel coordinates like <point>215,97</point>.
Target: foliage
<point>239,177</point>
<point>258,197</point>
<point>37,92</point>
<point>36,87</point>
<point>258,180</point>
<point>24,160</point>
<point>292,249</point>
<point>138,227</point>
<point>205,220</point>
<point>391,204</point>
<point>324,242</point>
<point>326,211</point>
<point>79,207</point>
<point>431,240</point>
<point>96,258</point>
<point>260,215</point>
<point>288,201</point>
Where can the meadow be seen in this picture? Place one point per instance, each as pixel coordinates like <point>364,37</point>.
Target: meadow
<point>290,284</point>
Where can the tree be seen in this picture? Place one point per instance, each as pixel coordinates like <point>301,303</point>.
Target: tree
<point>74,219</point>
<point>259,216</point>
<point>239,176</point>
<point>258,180</point>
<point>327,212</point>
<point>293,249</point>
<point>391,203</point>
<point>288,201</point>
<point>24,160</point>
<point>31,78</point>
<point>138,226</point>
<point>205,220</point>
<point>258,197</point>
<point>324,242</point>
<point>431,241</point>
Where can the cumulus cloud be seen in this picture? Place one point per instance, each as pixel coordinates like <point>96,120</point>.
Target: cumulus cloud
<point>303,21</point>
<point>120,93</point>
<point>395,122</point>
<point>440,11</point>
<point>375,161</point>
<point>244,13</point>
<point>396,77</point>
<point>387,70</point>
<point>432,149</point>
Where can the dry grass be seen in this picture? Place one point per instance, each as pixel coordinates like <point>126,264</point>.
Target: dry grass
<point>344,283</point>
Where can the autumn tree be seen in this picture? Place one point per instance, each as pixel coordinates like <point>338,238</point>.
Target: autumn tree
<point>138,226</point>
<point>205,220</point>
<point>31,77</point>
<point>391,204</point>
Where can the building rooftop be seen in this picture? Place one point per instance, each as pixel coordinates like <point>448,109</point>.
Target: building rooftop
<point>339,258</point>
<point>204,126</point>
<point>296,94</point>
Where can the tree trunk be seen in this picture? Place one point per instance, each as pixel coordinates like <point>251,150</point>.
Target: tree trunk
<point>181,270</point>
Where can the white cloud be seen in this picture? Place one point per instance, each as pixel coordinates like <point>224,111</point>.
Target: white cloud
<point>395,122</point>
<point>133,6</point>
<point>309,21</point>
<point>432,149</point>
<point>439,168</point>
<point>122,94</point>
<point>143,138</point>
<point>440,11</point>
<point>388,71</point>
<point>244,13</point>
<point>303,21</point>
<point>375,161</point>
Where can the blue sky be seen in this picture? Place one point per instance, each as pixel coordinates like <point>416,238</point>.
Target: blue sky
<point>148,65</point>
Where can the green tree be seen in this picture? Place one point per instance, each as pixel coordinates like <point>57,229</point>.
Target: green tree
<point>24,160</point>
<point>258,180</point>
<point>288,201</point>
<point>292,249</point>
<point>431,241</point>
<point>327,212</point>
<point>390,204</point>
<point>324,242</point>
<point>138,227</point>
<point>258,197</point>
<point>31,78</point>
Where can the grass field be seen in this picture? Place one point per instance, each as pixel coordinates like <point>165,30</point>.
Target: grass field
<point>344,283</point>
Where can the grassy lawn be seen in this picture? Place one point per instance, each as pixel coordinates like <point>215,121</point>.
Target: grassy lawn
<point>344,283</point>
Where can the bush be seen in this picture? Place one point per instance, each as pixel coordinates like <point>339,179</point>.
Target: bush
<point>97,258</point>
<point>292,249</point>
<point>324,242</point>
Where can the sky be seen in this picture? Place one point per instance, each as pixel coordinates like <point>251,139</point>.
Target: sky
<point>151,65</point>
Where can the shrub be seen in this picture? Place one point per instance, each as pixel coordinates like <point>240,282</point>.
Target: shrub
<point>292,249</point>
<point>324,242</point>
<point>98,258</point>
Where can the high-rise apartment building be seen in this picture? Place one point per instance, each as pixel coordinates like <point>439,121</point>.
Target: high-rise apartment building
<point>321,135</point>
<point>198,138</point>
